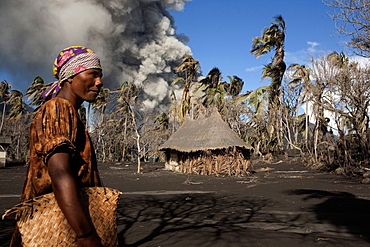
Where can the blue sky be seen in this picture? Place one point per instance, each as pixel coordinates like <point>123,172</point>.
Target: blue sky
<point>221,34</point>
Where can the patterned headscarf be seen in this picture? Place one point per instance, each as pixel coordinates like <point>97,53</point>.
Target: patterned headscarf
<point>70,62</point>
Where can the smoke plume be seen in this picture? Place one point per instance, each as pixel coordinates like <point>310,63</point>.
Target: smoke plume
<point>135,40</point>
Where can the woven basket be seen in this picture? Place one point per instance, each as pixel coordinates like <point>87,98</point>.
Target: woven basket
<point>42,223</point>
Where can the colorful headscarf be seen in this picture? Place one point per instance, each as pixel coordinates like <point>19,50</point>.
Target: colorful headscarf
<point>70,62</point>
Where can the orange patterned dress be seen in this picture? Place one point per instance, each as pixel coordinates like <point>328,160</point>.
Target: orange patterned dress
<point>57,125</point>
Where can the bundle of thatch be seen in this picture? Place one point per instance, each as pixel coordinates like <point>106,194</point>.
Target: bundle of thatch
<point>230,162</point>
<point>208,146</point>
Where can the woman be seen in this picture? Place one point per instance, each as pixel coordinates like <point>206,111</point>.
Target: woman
<point>62,158</point>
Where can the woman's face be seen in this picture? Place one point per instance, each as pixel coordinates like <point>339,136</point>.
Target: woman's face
<point>86,85</point>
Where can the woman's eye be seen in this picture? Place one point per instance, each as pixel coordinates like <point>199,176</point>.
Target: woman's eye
<point>96,75</point>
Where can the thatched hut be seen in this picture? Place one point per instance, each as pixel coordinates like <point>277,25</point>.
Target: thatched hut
<point>207,146</point>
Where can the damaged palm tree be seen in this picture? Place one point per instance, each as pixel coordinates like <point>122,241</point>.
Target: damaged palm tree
<point>273,37</point>
<point>187,72</point>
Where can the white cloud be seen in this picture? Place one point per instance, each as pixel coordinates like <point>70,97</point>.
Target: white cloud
<point>312,43</point>
<point>253,69</point>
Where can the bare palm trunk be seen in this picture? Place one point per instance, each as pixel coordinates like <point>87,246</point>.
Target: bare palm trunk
<point>18,145</point>
<point>307,124</point>
<point>103,147</point>
<point>342,120</point>
<point>124,138</point>
<point>296,127</point>
<point>316,137</point>
<point>280,120</point>
<point>137,140</point>
<point>289,135</point>
<point>100,139</point>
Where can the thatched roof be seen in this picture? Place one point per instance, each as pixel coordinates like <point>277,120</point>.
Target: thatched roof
<point>202,134</point>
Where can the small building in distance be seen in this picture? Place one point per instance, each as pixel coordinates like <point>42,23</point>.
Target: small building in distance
<point>4,143</point>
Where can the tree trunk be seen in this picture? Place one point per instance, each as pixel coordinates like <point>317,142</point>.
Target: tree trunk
<point>137,140</point>
<point>17,152</point>
<point>307,124</point>
<point>289,136</point>
<point>316,137</point>
<point>124,138</point>
<point>296,124</point>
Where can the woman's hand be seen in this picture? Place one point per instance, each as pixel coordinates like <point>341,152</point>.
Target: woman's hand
<point>90,241</point>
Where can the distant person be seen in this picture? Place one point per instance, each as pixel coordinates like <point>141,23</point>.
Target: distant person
<point>62,158</point>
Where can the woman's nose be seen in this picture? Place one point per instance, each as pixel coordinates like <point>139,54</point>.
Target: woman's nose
<point>99,81</point>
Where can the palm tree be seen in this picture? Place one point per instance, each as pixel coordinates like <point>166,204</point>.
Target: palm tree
<point>101,102</point>
<point>257,99</point>
<point>213,78</point>
<point>259,136</point>
<point>235,86</point>
<point>4,95</point>
<point>339,60</point>
<point>273,37</point>
<point>127,98</point>
<point>162,120</point>
<point>18,106</point>
<point>187,72</point>
<point>99,105</point>
<point>173,112</point>
<point>33,92</point>
<point>301,77</point>
<point>18,115</point>
<point>214,90</point>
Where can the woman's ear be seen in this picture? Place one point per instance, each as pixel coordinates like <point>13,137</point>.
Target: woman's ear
<point>65,81</point>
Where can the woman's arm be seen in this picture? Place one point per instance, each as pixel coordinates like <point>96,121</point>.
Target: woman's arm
<point>65,189</point>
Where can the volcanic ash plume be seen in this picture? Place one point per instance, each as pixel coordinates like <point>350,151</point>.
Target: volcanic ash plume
<point>135,40</point>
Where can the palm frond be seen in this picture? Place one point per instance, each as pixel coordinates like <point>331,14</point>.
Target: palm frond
<point>179,80</point>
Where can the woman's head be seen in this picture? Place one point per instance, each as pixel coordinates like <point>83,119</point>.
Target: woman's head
<point>74,60</point>
<point>70,62</point>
